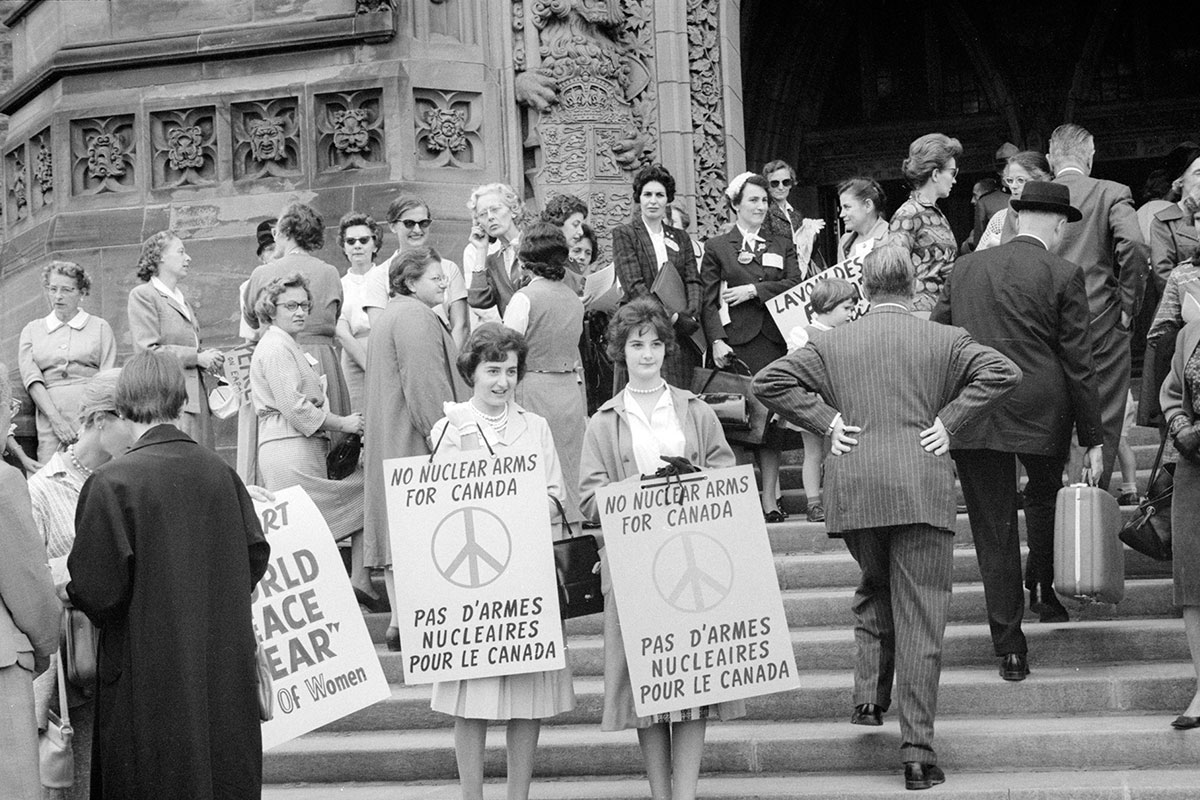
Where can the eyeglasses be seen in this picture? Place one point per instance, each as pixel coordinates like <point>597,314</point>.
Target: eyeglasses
<point>491,211</point>
<point>359,240</point>
<point>1014,183</point>
<point>785,183</point>
<point>952,170</point>
<point>61,290</point>
<point>413,223</point>
<point>291,306</point>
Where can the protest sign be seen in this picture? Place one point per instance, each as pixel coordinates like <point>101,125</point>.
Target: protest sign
<point>237,370</point>
<point>322,661</point>
<point>479,597</point>
<point>790,309</point>
<point>694,578</point>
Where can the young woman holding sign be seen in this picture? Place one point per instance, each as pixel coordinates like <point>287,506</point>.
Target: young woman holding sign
<point>493,362</point>
<point>626,439</point>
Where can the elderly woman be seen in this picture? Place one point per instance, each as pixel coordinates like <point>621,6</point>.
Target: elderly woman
<point>930,170</point>
<point>496,274</point>
<point>492,363</point>
<point>786,221</point>
<point>293,416</point>
<point>550,316</point>
<point>1173,236</point>
<point>744,269</point>
<point>167,553</point>
<point>160,318</point>
<point>360,238</point>
<point>1021,168</point>
<point>861,202</point>
<point>409,376</point>
<point>626,439</point>
<point>59,352</point>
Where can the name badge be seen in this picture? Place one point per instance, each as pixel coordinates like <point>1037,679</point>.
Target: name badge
<point>772,260</point>
<point>312,362</point>
<point>670,243</point>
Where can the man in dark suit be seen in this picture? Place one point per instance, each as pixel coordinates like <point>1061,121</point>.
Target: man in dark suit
<point>890,389</point>
<point>1030,305</point>
<point>1108,245</point>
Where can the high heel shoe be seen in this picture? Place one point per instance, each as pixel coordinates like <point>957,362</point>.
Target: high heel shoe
<point>392,638</point>
<point>1184,723</point>
<point>376,605</point>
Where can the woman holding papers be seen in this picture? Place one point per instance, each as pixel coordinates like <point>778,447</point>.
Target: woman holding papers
<point>627,438</point>
<point>641,250</point>
<point>493,362</point>
<point>744,269</point>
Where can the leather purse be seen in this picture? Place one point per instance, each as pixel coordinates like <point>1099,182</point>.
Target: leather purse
<point>577,573</point>
<point>1149,533</point>
<point>264,684</point>
<point>79,647</point>
<point>342,459</point>
<point>742,417</point>
<point>56,762</point>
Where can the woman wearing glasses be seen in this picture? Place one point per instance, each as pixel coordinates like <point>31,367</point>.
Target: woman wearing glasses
<point>59,352</point>
<point>786,221</point>
<point>1028,165</point>
<point>930,170</point>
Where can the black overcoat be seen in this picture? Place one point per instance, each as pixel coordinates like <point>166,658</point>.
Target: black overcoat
<point>167,552</point>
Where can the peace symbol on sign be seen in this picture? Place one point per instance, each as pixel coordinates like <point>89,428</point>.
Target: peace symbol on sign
<point>693,572</point>
<point>471,547</point>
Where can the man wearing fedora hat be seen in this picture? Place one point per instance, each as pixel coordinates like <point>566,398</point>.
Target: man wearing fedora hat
<point>1032,306</point>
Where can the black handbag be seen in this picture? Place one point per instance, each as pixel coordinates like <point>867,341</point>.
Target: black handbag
<point>79,649</point>
<point>342,459</point>
<point>576,570</point>
<point>742,417</point>
<point>1149,533</point>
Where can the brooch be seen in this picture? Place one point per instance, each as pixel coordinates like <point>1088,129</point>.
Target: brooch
<point>745,257</point>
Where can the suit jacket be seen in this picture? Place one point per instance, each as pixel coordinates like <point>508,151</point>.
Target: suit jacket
<point>29,608</point>
<point>493,285</point>
<point>634,262</point>
<point>985,208</point>
<point>1173,238</point>
<point>1030,305</point>
<point>158,322</point>
<point>1107,243</point>
<point>778,224</point>
<point>891,374</point>
<point>720,263</point>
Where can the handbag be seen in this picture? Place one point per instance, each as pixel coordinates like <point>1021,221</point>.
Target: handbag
<point>56,763</point>
<point>742,417</point>
<point>342,458</point>
<point>1149,532</point>
<point>223,400</point>
<point>264,684</point>
<point>576,559</point>
<point>79,646</point>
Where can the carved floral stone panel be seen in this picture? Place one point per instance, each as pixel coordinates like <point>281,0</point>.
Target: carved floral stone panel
<point>16,186</point>
<point>708,114</point>
<point>447,128</point>
<point>183,148</point>
<point>350,131</point>
<point>266,139</point>
<point>41,155</point>
<point>103,151</point>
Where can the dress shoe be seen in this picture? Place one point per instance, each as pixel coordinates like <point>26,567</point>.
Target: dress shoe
<point>922,776</point>
<point>392,637</point>
<point>375,605</point>
<point>1014,667</point>
<point>1051,608</point>
<point>774,515</point>
<point>816,513</point>
<point>1129,499</point>
<point>867,714</point>
<point>1182,723</point>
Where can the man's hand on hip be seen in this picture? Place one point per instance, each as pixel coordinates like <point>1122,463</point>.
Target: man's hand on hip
<point>841,440</point>
<point>936,439</point>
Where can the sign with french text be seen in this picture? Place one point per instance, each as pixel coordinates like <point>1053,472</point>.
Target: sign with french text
<point>791,308</point>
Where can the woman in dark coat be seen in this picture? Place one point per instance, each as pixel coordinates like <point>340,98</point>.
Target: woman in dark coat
<point>168,550</point>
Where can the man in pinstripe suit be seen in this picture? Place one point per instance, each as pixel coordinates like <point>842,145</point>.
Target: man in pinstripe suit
<point>889,389</point>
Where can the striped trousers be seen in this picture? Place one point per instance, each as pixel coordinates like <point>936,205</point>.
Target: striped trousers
<point>900,606</point>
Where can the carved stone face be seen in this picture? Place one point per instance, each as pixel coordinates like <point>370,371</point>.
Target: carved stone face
<point>105,156</point>
<point>600,12</point>
<point>266,139</point>
<point>350,134</point>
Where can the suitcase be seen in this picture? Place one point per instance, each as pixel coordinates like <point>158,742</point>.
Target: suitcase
<point>1089,561</point>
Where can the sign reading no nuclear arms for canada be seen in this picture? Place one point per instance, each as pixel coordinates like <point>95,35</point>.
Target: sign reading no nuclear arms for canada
<point>791,308</point>
<point>478,596</point>
<point>695,584</point>
<point>322,661</point>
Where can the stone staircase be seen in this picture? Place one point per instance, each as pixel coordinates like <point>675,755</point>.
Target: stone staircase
<point>1091,721</point>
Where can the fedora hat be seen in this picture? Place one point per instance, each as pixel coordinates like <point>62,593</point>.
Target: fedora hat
<point>1047,196</point>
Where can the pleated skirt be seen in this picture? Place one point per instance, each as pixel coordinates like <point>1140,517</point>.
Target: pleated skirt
<point>531,695</point>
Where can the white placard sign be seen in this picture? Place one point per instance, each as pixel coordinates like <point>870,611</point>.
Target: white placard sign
<point>695,583</point>
<point>478,596</point>
<point>323,663</point>
<point>790,309</point>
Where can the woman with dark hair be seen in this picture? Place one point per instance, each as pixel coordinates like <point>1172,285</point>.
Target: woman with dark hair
<point>744,269</point>
<point>492,363</point>
<point>625,439</point>
<point>550,317</point>
<point>597,369</point>
<point>861,202</point>
<point>167,552</point>
<point>1021,168</point>
<point>360,237</point>
<point>293,420</point>
<point>58,353</point>
<point>644,247</point>
<point>160,318</point>
<point>930,170</point>
<point>568,212</point>
<point>409,377</point>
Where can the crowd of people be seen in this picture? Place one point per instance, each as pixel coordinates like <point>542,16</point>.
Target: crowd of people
<point>976,357</point>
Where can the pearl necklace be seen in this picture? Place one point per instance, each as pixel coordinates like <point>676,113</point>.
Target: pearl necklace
<point>496,422</point>
<point>658,388</point>
<point>77,464</point>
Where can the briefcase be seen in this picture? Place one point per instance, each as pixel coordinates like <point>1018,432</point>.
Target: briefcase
<point>1089,561</point>
<point>742,417</point>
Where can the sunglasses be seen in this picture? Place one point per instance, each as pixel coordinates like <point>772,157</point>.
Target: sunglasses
<point>291,306</point>
<point>786,183</point>
<point>359,240</point>
<point>412,223</point>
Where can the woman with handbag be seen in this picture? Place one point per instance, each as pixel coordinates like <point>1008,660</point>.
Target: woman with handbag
<point>631,435</point>
<point>744,269</point>
<point>293,410</point>
<point>492,363</point>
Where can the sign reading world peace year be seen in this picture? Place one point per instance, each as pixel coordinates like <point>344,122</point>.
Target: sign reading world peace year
<point>478,596</point>
<point>695,584</point>
<point>791,308</point>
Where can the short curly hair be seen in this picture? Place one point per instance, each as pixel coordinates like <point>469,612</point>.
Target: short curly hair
<point>655,173</point>
<point>264,304</point>
<point>410,266</point>
<point>68,269</point>
<point>491,341</point>
<point>928,154</point>
<point>561,207</point>
<point>151,255</point>
<point>544,250</point>
<point>358,218</point>
<point>303,225</point>
<point>505,192</point>
<point>643,312</point>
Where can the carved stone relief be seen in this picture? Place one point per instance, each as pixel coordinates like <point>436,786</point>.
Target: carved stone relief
<point>103,155</point>
<point>266,139</point>
<point>447,128</point>
<point>350,130</point>
<point>708,115</point>
<point>42,164</point>
<point>183,148</point>
<point>16,190</point>
<point>372,6</point>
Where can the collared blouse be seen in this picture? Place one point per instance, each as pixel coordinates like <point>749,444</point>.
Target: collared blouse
<point>53,352</point>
